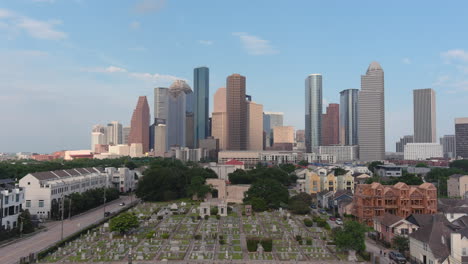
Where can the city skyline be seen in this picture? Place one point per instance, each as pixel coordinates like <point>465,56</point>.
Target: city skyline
<point>116,75</point>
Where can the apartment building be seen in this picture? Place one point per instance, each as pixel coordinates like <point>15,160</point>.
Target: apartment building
<point>373,200</point>
<point>11,200</point>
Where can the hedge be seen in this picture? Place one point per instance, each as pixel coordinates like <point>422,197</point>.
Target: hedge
<point>252,244</point>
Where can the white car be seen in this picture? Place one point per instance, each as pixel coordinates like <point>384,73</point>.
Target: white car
<point>338,221</point>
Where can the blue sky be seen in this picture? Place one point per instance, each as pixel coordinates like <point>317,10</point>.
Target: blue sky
<point>68,64</point>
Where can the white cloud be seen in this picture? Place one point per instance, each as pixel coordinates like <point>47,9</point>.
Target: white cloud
<point>110,69</point>
<point>33,27</point>
<point>149,6</point>
<point>455,55</point>
<point>406,61</point>
<point>135,25</point>
<point>441,80</point>
<point>156,77</point>
<point>205,42</point>
<point>255,45</point>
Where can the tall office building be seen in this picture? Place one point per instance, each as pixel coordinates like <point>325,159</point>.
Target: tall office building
<point>236,112</point>
<point>300,135</point>
<point>114,133</point>
<point>97,138</point>
<point>400,145</point>
<point>189,120</point>
<point>175,123</point>
<point>461,137</point>
<point>139,127</point>
<point>219,118</point>
<point>313,112</point>
<point>330,125</point>
<point>254,126</point>
<point>125,134</point>
<point>448,146</point>
<point>371,112</point>
<point>270,121</point>
<point>160,104</point>
<point>101,129</point>
<point>201,87</point>
<point>160,140</point>
<point>424,116</point>
<point>349,99</point>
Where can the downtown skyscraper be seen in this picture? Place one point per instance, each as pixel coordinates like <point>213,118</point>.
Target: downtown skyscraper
<point>219,118</point>
<point>236,109</point>
<point>330,125</point>
<point>176,118</point>
<point>270,121</point>
<point>461,137</point>
<point>371,112</point>
<point>349,100</point>
<point>424,104</point>
<point>201,87</point>
<point>139,126</point>
<point>313,112</point>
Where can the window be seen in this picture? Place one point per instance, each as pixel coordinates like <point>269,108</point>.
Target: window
<point>425,246</point>
<point>29,183</point>
<point>17,198</point>
<point>41,203</point>
<point>6,199</point>
<point>28,203</point>
<point>463,251</point>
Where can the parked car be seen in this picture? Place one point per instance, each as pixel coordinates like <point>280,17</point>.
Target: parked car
<point>338,221</point>
<point>106,214</point>
<point>397,257</point>
<point>122,204</point>
<point>332,218</point>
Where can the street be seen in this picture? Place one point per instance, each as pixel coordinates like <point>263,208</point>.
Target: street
<point>12,253</point>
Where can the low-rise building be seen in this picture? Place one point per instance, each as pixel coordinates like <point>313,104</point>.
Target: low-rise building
<point>229,193</point>
<point>187,154</point>
<point>323,198</point>
<point>342,153</point>
<point>11,203</point>
<point>320,158</point>
<point>249,158</point>
<point>388,226</point>
<point>123,179</point>
<point>453,209</point>
<point>374,200</point>
<point>345,182</point>
<point>389,170</point>
<point>423,151</point>
<point>48,188</point>
<point>457,186</point>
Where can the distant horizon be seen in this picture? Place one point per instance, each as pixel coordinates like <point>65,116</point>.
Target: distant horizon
<point>60,76</point>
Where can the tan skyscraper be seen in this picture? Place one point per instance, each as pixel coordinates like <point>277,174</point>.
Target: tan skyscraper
<point>219,118</point>
<point>283,134</point>
<point>254,126</point>
<point>236,112</point>
<point>139,127</point>
<point>424,116</point>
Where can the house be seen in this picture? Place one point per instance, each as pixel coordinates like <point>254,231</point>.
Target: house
<point>457,186</point>
<point>328,183</point>
<point>312,182</point>
<point>453,208</point>
<point>361,178</point>
<point>389,225</point>
<point>439,242</point>
<point>323,198</point>
<point>11,203</point>
<point>339,196</point>
<point>389,170</point>
<point>345,182</point>
<point>373,200</point>
<point>345,207</point>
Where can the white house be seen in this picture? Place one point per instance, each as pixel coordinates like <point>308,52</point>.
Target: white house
<point>122,178</point>
<point>42,189</point>
<point>11,200</point>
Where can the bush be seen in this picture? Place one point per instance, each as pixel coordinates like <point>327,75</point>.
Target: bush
<point>308,222</point>
<point>299,238</point>
<point>218,217</point>
<point>160,217</point>
<point>222,242</point>
<point>214,211</point>
<point>124,222</point>
<point>206,217</point>
<point>252,244</point>
<point>365,255</point>
<point>309,242</point>
<point>197,237</point>
<point>327,226</point>
<point>267,244</point>
<point>149,235</point>
<point>165,236</point>
<point>199,217</point>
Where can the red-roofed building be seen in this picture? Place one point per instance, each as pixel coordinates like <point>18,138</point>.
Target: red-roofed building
<point>234,162</point>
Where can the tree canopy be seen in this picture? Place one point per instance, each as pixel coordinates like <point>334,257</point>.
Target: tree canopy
<point>124,222</point>
<point>339,171</point>
<point>439,177</point>
<point>374,164</point>
<point>400,243</point>
<point>248,177</point>
<point>459,164</point>
<point>272,192</point>
<point>299,204</point>
<point>351,236</point>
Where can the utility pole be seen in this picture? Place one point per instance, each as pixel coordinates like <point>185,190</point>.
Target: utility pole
<point>62,207</point>
<point>69,207</point>
<point>105,187</point>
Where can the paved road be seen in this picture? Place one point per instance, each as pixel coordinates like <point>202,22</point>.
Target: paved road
<point>371,246</point>
<point>13,252</point>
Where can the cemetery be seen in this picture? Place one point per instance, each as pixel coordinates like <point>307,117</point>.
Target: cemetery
<point>198,232</point>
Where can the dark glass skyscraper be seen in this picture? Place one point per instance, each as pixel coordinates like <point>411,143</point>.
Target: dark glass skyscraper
<point>349,117</point>
<point>201,86</point>
<point>313,112</point>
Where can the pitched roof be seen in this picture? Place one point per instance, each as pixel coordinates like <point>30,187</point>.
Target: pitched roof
<point>419,219</point>
<point>388,219</point>
<point>234,162</point>
<point>342,192</point>
<point>57,174</point>
<point>437,235</point>
<point>461,222</point>
<point>456,176</point>
<point>452,205</point>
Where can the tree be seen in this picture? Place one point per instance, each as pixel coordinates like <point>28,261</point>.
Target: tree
<point>198,187</point>
<point>258,204</point>
<point>130,165</point>
<point>287,167</point>
<point>298,206</point>
<point>459,164</point>
<point>421,165</point>
<point>351,236</point>
<point>374,164</point>
<point>240,176</point>
<point>303,163</point>
<point>400,243</point>
<point>25,219</point>
<point>124,222</point>
<point>269,190</point>
<point>339,171</point>
<point>439,177</point>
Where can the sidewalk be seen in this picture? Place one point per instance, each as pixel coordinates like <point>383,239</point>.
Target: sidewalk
<point>372,246</point>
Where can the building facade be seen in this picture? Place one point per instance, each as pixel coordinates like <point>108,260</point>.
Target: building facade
<point>254,126</point>
<point>236,110</point>
<point>114,133</point>
<point>422,151</point>
<point>457,186</point>
<point>11,204</point>
<point>176,119</point>
<point>342,153</point>
<point>371,111</point>
<point>219,123</point>
<point>270,121</point>
<point>400,145</point>
<point>330,125</point>
<point>374,200</point>
<point>201,87</point>
<point>448,146</point>
<point>424,116</point>
<point>348,128</point>
<point>313,111</point>
<point>461,137</point>
<point>161,103</point>
<point>139,128</point>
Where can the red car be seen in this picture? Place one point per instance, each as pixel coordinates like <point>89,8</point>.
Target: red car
<point>332,218</point>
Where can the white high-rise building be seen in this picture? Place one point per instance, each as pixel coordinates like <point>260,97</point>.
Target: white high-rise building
<point>97,138</point>
<point>114,133</point>
<point>422,151</point>
<point>424,116</point>
<point>313,112</point>
<point>161,104</point>
<point>125,135</point>
<point>371,114</point>
<point>160,143</point>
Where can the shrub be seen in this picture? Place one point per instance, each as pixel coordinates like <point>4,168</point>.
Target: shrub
<point>327,226</point>
<point>206,217</point>
<point>308,222</point>
<point>124,222</point>
<point>199,217</point>
<point>149,235</point>
<point>309,242</point>
<point>299,238</point>
<point>222,242</point>
<point>365,255</point>
<point>218,217</point>
<point>197,237</point>
<point>165,236</point>
<point>214,211</point>
<point>252,244</point>
<point>267,244</point>
<point>160,217</point>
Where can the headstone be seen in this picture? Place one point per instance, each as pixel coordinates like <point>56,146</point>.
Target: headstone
<point>83,256</point>
<point>273,228</point>
<point>139,256</point>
